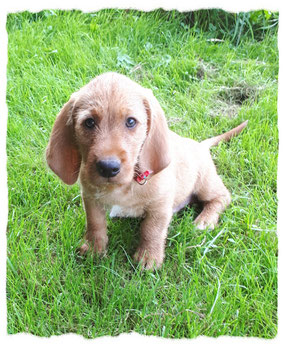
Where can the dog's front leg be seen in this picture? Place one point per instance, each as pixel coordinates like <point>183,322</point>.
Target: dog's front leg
<point>96,234</point>
<point>154,229</point>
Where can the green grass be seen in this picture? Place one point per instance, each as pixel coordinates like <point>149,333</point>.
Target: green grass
<point>220,282</point>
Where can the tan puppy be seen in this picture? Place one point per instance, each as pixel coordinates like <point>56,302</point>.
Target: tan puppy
<point>111,134</point>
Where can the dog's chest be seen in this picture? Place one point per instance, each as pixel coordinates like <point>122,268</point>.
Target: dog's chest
<point>122,202</point>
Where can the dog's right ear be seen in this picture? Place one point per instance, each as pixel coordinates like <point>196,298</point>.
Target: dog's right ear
<point>62,154</point>
<point>155,154</point>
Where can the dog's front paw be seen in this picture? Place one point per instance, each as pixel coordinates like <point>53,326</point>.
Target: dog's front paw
<point>148,260</point>
<point>205,222</point>
<point>203,225</point>
<point>84,248</point>
<point>97,245</point>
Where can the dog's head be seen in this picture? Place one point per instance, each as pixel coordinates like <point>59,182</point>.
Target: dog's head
<point>109,130</point>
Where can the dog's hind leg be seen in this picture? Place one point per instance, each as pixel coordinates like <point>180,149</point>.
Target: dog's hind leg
<point>215,198</point>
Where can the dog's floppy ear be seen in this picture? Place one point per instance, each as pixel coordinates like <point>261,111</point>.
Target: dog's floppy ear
<point>155,153</point>
<point>62,154</point>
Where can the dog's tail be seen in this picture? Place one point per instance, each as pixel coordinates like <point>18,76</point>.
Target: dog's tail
<point>211,142</point>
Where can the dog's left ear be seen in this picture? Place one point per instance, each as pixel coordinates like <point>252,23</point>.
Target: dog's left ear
<point>155,154</point>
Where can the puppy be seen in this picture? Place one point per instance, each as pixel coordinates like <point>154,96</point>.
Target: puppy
<point>113,135</point>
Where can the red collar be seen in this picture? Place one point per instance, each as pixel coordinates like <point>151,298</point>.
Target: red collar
<point>142,177</point>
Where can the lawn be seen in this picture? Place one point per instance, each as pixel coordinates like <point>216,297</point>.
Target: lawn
<point>212,283</point>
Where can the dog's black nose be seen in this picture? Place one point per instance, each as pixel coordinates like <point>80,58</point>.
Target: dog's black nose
<point>109,167</point>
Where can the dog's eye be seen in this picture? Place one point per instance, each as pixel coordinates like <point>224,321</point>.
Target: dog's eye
<point>90,123</point>
<point>130,122</point>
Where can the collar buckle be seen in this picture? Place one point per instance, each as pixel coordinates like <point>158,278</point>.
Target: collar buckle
<point>142,178</point>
